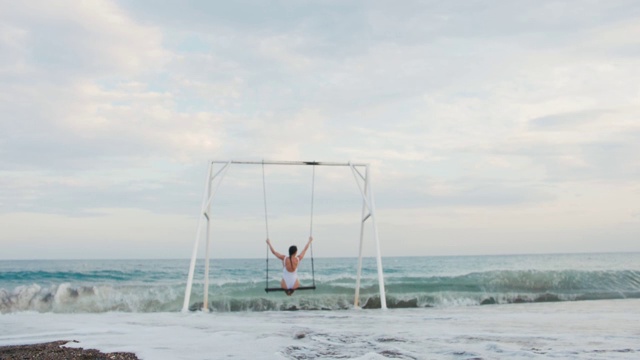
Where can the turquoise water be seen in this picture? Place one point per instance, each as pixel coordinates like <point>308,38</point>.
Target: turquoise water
<point>238,285</point>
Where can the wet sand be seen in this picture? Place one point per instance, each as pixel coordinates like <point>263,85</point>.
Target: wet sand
<point>56,350</point>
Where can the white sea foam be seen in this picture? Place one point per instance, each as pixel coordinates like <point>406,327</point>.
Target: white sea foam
<point>606,329</point>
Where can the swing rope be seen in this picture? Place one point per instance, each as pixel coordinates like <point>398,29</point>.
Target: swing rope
<point>266,222</point>
<point>313,187</point>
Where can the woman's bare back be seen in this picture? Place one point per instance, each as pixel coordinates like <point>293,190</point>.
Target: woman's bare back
<point>291,263</point>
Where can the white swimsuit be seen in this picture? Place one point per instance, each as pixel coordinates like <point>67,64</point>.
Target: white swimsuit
<point>289,277</point>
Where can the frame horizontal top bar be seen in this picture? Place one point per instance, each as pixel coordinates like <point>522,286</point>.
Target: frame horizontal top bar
<point>319,163</point>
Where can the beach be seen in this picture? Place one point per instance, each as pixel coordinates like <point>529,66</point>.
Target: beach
<point>606,329</point>
<point>58,350</point>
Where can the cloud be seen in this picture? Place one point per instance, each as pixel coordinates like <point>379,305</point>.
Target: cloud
<point>54,98</point>
<point>567,121</point>
<point>117,234</point>
<point>80,107</point>
<point>94,39</point>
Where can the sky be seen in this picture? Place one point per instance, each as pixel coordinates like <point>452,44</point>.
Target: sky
<point>491,127</point>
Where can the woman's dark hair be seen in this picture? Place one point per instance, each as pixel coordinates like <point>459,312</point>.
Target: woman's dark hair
<point>292,250</point>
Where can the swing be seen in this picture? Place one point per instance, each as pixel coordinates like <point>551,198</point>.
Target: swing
<point>266,222</point>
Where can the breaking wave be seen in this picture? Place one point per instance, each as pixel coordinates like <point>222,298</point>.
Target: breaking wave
<point>116,291</point>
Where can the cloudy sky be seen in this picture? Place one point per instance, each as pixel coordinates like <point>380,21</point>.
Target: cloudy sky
<point>491,127</point>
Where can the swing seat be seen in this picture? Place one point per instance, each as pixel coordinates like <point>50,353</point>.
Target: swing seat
<point>299,288</point>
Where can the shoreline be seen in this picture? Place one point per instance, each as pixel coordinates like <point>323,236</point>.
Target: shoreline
<point>605,329</point>
<point>55,350</point>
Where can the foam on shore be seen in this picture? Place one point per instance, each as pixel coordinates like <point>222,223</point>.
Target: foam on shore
<point>605,329</point>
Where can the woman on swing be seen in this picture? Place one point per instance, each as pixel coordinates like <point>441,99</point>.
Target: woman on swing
<point>290,264</point>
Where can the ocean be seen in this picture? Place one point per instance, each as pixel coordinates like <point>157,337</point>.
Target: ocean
<point>578,306</point>
<point>94,286</point>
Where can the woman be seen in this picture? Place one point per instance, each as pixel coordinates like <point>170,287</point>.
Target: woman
<point>290,264</point>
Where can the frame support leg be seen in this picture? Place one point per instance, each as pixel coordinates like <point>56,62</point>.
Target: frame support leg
<point>368,202</point>
<point>383,297</point>
<point>194,254</point>
<point>356,301</point>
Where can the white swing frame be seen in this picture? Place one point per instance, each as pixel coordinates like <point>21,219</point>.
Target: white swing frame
<point>366,190</point>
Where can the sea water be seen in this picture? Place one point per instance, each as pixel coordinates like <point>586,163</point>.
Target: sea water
<point>238,285</point>
<point>575,306</point>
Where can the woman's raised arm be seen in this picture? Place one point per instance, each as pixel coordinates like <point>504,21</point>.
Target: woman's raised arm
<point>277,254</point>
<point>304,251</point>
